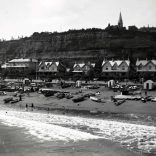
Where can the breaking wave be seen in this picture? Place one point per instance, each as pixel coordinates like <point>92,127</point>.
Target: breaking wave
<point>74,128</point>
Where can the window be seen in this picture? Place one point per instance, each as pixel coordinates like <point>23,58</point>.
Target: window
<point>115,68</point>
<point>150,67</point>
<point>53,68</point>
<point>123,67</point>
<point>42,67</point>
<point>140,67</point>
<point>106,68</point>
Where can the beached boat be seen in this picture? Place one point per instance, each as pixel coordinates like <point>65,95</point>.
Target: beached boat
<point>14,101</point>
<point>47,94</point>
<point>95,99</point>
<point>127,97</point>
<point>7,100</point>
<point>60,95</point>
<point>119,102</point>
<point>65,85</point>
<point>78,99</point>
<point>68,96</point>
<point>153,100</point>
<point>2,93</point>
<point>89,95</point>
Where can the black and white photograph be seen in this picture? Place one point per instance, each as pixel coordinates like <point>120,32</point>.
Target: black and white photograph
<point>78,78</point>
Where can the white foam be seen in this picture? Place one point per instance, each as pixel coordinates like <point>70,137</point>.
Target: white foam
<point>46,131</point>
<point>49,126</point>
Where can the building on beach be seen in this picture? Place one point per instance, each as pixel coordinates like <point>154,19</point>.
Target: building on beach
<point>83,67</point>
<point>115,69</point>
<point>146,68</point>
<point>20,67</point>
<point>83,71</point>
<point>148,85</point>
<point>47,69</point>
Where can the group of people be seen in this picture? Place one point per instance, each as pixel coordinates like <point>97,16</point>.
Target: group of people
<point>32,106</point>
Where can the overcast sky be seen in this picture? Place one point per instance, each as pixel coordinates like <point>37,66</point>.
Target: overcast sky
<point>23,17</point>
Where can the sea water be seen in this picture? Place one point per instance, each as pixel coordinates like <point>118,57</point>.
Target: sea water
<point>67,128</point>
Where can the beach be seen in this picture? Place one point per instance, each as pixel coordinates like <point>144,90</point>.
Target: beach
<point>16,144</point>
<point>54,125</point>
<point>22,135</point>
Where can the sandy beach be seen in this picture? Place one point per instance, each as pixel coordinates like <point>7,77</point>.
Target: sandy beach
<point>125,130</point>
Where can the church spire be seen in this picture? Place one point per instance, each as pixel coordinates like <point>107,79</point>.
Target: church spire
<point>120,22</point>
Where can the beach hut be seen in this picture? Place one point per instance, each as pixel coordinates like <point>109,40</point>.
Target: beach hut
<point>111,83</point>
<point>26,81</point>
<point>148,85</point>
<point>78,83</point>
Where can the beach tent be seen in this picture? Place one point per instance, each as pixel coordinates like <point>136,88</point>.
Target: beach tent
<point>149,84</point>
<point>111,83</point>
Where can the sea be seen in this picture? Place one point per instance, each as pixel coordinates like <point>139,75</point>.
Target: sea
<point>78,133</point>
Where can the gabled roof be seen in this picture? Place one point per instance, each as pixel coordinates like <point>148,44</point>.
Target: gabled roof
<point>125,61</point>
<point>141,62</point>
<point>149,81</point>
<point>154,62</point>
<point>117,62</point>
<point>104,62</point>
<point>49,63</point>
<point>145,62</point>
<point>79,64</point>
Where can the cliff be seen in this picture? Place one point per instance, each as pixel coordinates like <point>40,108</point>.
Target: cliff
<point>82,44</point>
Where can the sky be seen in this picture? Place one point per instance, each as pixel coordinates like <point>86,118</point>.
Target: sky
<point>24,17</point>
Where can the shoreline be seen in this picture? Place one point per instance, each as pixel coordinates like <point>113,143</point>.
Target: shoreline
<point>142,119</point>
<point>129,111</point>
<point>61,107</point>
<point>43,113</point>
<point>106,144</point>
<point>27,146</point>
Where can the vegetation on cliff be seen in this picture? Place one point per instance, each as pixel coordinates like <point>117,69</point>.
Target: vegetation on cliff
<point>82,45</point>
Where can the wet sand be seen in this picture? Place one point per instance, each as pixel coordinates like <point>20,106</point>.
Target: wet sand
<point>21,142</point>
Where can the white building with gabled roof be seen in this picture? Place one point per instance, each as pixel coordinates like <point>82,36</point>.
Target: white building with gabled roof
<point>146,65</point>
<point>114,69</point>
<point>82,67</point>
<point>50,66</point>
<point>115,66</point>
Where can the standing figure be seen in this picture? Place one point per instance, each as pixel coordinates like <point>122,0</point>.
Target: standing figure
<point>26,106</point>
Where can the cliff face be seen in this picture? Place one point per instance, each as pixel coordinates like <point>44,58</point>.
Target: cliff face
<point>82,44</point>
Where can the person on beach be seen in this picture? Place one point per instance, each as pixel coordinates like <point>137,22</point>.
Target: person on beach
<point>26,106</point>
<point>32,106</point>
<point>48,110</point>
<point>145,93</point>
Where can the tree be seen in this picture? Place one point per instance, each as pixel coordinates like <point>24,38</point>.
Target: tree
<point>98,67</point>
